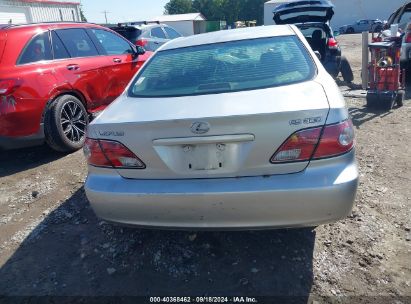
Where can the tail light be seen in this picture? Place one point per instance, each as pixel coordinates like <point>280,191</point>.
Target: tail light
<point>141,42</point>
<point>335,140</point>
<point>332,43</point>
<point>8,86</point>
<point>108,153</point>
<point>316,143</point>
<point>408,37</point>
<point>298,147</point>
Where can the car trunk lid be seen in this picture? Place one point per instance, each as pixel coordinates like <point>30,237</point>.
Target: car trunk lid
<point>304,11</point>
<point>219,135</point>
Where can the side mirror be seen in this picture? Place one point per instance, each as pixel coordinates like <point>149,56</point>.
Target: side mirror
<point>138,50</point>
<point>317,53</point>
<point>336,33</point>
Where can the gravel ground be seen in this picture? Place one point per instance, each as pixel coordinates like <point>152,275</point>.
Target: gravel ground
<point>51,243</point>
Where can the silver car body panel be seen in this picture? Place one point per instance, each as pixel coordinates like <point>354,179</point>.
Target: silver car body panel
<point>265,114</point>
<point>246,191</point>
<point>323,193</point>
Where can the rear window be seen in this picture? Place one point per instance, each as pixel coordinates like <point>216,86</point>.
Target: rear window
<point>309,30</point>
<point>157,32</point>
<point>172,34</point>
<point>224,67</point>
<point>130,33</point>
<point>38,49</point>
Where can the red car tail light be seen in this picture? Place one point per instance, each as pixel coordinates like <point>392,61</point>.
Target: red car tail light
<point>107,153</point>
<point>316,143</point>
<point>298,147</point>
<point>141,42</point>
<point>408,37</point>
<point>335,140</point>
<point>7,86</point>
<point>332,43</point>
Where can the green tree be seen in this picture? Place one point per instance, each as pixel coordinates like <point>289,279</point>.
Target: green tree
<point>82,16</point>
<point>231,10</point>
<point>208,8</point>
<point>228,10</point>
<point>252,10</point>
<point>178,7</point>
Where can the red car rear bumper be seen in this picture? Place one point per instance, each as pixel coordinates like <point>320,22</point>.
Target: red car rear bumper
<point>20,123</point>
<point>8,142</point>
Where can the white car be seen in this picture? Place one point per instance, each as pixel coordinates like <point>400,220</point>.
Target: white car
<point>233,129</point>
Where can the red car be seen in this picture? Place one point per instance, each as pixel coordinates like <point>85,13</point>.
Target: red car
<point>54,76</point>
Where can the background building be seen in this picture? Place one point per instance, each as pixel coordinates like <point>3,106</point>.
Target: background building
<point>186,24</point>
<point>346,11</point>
<point>26,11</point>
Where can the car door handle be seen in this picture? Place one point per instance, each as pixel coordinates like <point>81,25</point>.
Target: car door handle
<point>73,67</point>
<point>117,60</point>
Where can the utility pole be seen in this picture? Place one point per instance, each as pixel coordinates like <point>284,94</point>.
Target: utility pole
<point>105,15</point>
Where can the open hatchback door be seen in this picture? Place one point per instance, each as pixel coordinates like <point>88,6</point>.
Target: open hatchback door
<point>304,11</point>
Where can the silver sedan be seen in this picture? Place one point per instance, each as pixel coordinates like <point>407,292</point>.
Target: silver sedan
<point>239,129</point>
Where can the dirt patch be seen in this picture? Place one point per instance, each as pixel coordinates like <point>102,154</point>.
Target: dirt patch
<point>51,243</point>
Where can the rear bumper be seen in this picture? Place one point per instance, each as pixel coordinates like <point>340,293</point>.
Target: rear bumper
<point>8,143</point>
<point>322,193</point>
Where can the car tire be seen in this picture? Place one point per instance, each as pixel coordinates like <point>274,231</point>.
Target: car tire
<point>349,30</point>
<point>346,70</point>
<point>65,123</point>
<point>400,98</point>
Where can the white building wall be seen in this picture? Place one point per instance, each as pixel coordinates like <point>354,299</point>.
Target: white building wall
<point>46,12</point>
<point>347,11</point>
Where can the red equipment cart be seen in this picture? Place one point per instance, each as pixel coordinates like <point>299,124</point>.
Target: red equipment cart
<point>386,82</point>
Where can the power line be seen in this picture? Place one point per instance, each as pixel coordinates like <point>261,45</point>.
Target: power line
<point>105,15</point>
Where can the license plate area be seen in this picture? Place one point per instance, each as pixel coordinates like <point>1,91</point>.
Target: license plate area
<point>204,156</point>
<point>209,155</point>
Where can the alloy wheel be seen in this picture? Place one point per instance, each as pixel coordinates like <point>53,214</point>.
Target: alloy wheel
<point>73,121</point>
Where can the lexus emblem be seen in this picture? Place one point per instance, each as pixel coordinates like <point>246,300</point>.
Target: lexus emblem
<point>200,127</point>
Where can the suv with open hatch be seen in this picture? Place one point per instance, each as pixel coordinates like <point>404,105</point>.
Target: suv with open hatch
<point>54,76</point>
<point>313,19</point>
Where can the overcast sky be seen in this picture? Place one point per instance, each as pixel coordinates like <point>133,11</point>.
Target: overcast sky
<point>122,10</point>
